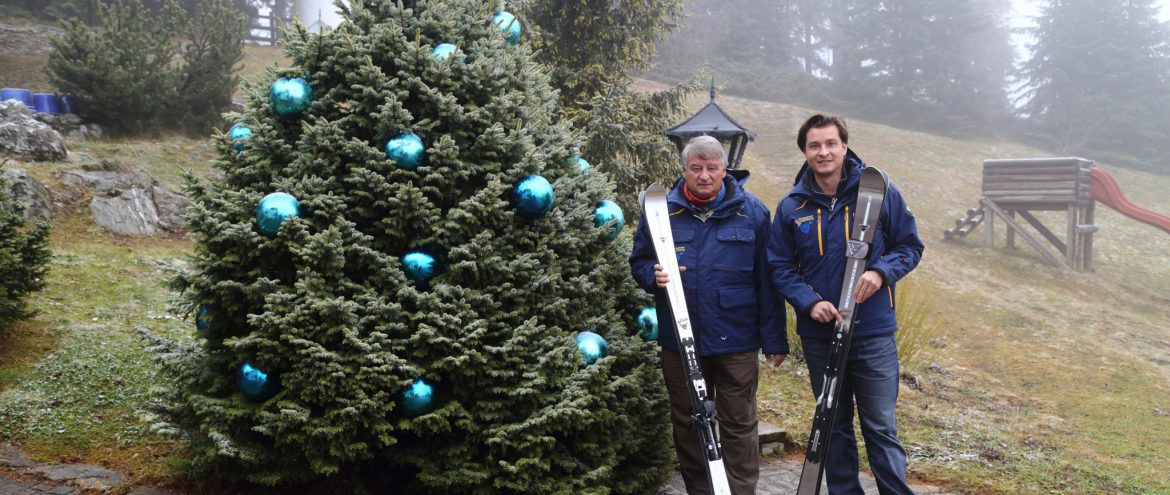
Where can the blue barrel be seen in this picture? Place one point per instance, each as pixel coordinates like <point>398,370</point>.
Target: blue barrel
<point>45,102</point>
<point>68,104</point>
<point>21,95</point>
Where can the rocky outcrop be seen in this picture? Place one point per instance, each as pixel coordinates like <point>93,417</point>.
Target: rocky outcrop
<point>23,136</point>
<point>130,202</point>
<point>30,193</point>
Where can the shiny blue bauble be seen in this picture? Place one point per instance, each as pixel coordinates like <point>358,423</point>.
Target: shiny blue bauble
<point>592,346</point>
<point>533,196</point>
<point>406,150</point>
<point>203,319</point>
<point>419,266</point>
<point>273,209</point>
<point>240,134</point>
<point>607,211</point>
<point>443,51</point>
<point>582,165</point>
<point>289,96</point>
<point>648,323</point>
<point>509,25</point>
<point>416,400</point>
<point>255,384</point>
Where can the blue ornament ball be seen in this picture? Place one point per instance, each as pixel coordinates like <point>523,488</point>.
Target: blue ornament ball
<point>592,346</point>
<point>273,209</point>
<point>256,384</point>
<point>289,96</point>
<point>582,165</point>
<point>419,266</point>
<point>443,51</point>
<point>203,319</point>
<point>406,150</point>
<point>648,323</point>
<point>607,211</point>
<point>240,134</point>
<point>534,196</point>
<point>509,25</point>
<point>416,400</point>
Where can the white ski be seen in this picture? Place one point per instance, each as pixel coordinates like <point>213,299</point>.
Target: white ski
<point>702,404</point>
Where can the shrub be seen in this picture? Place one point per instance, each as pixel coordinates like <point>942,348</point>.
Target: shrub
<point>24,259</point>
<point>125,73</point>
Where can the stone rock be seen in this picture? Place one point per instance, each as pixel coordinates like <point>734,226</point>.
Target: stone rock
<point>770,433</point>
<point>71,126</point>
<point>85,476</point>
<point>170,206</point>
<point>128,212</point>
<point>29,192</point>
<point>10,457</point>
<point>134,203</point>
<point>24,137</point>
<point>102,180</point>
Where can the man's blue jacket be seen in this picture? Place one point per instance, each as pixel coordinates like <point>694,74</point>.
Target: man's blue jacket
<point>732,304</point>
<point>806,251</point>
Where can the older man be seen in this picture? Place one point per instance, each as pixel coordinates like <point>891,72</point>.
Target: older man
<point>720,237</point>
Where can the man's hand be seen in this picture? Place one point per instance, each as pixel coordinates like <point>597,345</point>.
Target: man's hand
<point>775,359</point>
<point>661,278</point>
<point>824,312</point>
<point>867,285</point>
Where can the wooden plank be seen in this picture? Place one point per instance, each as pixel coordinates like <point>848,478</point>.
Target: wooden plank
<point>1047,253</point>
<point>1066,185</point>
<point>1032,206</point>
<point>1031,171</point>
<point>1035,198</point>
<point>1034,222</point>
<point>1033,178</point>
<point>1037,162</point>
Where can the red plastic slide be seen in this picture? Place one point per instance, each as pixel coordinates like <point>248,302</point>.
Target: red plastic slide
<point>1105,190</point>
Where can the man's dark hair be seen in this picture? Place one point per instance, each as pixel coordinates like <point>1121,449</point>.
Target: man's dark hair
<point>818,121</point>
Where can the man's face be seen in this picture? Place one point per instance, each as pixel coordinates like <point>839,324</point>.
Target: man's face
<point>824,151</point>
<point>704,176</point>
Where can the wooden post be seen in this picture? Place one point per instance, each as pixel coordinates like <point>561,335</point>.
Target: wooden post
<point>989,232</point>
<point>1010,243</point>
<point>1087,262</point>
<point>1073,237</point>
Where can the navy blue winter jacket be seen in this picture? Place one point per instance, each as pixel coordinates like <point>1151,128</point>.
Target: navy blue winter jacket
<point>732,305</point>
<point>806,251</point>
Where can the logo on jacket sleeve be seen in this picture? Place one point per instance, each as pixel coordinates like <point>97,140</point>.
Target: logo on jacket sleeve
<point>804,224</point>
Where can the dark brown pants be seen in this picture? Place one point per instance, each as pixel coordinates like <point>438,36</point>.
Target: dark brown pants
<point>733,379</point>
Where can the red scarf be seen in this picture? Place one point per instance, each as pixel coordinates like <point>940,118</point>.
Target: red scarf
<point>695,200</point>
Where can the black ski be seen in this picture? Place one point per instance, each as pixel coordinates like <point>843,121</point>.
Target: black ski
<point>702,404</point>
<point>870,195</point>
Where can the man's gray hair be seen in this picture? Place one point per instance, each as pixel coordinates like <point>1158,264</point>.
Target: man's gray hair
<point>705,147</point>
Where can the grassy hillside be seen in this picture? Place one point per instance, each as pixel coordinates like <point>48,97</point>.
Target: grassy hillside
<point>1043,381</point>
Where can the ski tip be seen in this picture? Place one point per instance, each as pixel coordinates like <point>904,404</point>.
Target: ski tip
<point>877,171</point>
<point>655,187</point>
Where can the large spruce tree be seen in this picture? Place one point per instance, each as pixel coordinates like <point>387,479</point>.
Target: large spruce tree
<point>349,333</point>
<point>1097,80</point>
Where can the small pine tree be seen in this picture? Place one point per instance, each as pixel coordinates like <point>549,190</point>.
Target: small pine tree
<point>209,75</point>
<point>136,74</point>
<point>24,259</point>
<point>328,307</point>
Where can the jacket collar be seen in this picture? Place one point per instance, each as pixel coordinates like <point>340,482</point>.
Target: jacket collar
<point>733,182</point>
<point>805,183</point>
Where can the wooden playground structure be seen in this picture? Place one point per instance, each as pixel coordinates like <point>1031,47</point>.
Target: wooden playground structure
<point>1015,188</point>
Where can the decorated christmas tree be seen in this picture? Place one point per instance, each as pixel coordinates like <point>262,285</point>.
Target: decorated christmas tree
<point>405,274</point>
